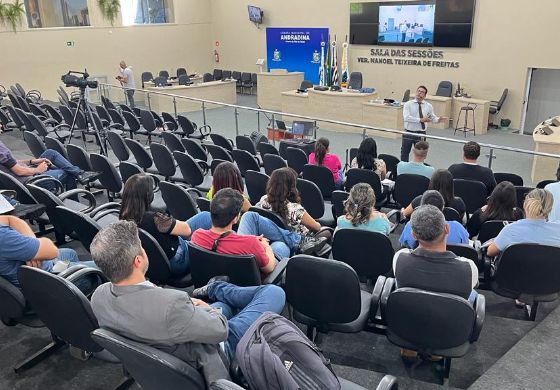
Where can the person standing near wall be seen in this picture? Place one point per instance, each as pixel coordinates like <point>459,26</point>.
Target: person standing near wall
<point>416,114</point>
<point>127,80</point>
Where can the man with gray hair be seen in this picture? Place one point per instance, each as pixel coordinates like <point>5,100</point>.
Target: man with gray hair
<point>127,81</point>
<point>169,319</point>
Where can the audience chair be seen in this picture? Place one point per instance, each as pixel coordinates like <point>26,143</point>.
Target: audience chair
<point>451,214</point>
<point>170,123</point>
<point>246,82</point>
<point>322,176</point>
<point>245,161</point>
<point>164,73</point>
<point>544,183</point>
<point>244,142</point>
<point>270,215</point>
<point>56,144</point>
<point>181,71</point>
<point>141,155</point>
<point>184,80</point>
<point>85,227</point>
<point>271,162</point>
<point>207,77</point>
<point>110,179</point>
<point>256,181</point>
<point>203,203</point>
<point>357,175</point>
<point>490,229</point>
<point>180,203</point>
<point>191,130</point>
<point>118,145</point>
<point>218,152</point>
<point>149,124</point>
<point>266,148</point>
<point>222,141</point>
<point>296,159</point>
<point>513,178</point>
<point>128,169</point>
<point>34,143</point>
<point>391,163</point>
<point>172,141</point>
<point>165,163</point>
<point>473,193</point>
<point>195,149</point>
<point>313,202</point>
<point>57,132</point>
<point>193,174</point>
<point>468,252</point>
<point>445,88</point>
<point>226,74</point>
<point>407,187</point>
<point>133,124</point>
<point>337,200</point>
<point>521,194</point>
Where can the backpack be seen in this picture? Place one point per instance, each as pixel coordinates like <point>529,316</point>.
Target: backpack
<point>257,137</point>
<point>275,355</point>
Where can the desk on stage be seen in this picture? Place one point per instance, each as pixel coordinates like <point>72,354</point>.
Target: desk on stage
<point>480,113</point>
<point>270,86</point>
<point>384,116</point>
<point>175,81</point>
<point>218,91</point>
<point>544,168</point>
<point>442,107</point>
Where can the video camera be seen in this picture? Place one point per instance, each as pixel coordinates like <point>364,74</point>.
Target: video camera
<point>71,80</point>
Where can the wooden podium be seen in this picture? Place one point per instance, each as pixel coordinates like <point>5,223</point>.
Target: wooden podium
<point>278,134</point>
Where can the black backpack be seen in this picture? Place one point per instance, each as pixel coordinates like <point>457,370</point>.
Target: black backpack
<point>275,354</point>
<point>257,138</point>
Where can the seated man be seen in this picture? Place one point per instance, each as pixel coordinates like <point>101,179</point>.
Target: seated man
<point>169,319</point>
<point>470,170</point>
<point>51,163</point>
<point>417,166</point>
<point>457,234</point>
<point>224,211</point>
<point>19,246</point>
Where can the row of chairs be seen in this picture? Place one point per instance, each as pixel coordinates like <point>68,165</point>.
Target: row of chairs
<point>245,80</point>
<point>163,74</point>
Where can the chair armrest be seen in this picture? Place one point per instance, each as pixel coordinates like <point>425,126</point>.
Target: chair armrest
<point>387,290</point>
<point>487,268</point>
<point>69,271</point>
<point>156,180</point>
<point>117,126</point>
<point>203,166</point>
<point>92,203</point>
<point>388,382</point>
<point>51,121</point>
<point>197,192</point>
<point>276,275</point>
<point>10,193</point>
<point>396,214</point>
<point>106,206</point>
<point>37,180</point>
<point>205,132</point>
<point>376,296</point>
<point>103,213</point>
<point>224,384</point>
<point>480,310</point>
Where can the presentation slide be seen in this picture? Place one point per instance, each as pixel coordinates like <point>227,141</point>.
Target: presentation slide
<point>408,24</point>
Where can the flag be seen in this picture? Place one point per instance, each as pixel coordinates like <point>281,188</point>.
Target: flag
<point>344,65</point>
<point>328,81</point>
<point>334,64</point>
<point>322,66</point>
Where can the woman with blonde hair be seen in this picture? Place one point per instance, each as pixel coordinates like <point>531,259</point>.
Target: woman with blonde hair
<point>535,228</point>
<point>360,212</point>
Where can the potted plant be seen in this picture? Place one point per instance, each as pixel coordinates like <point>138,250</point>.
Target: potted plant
<point>12,14</point>
<point>109,9</point>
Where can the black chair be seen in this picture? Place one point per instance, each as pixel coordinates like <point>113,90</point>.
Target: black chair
<point>141,155</point>
<point>236,75</point>
<point>270,215</point>
<point>133,124</point>
<point>184,80</point>
<point>164,73</point>
<point>496,105</point>
<point>35,144</point>
<point>529,272</point>
<point>127,170</point>
<point>391,163</point>
<point>172,141</point>
<point>118,145</point>
<point>241,269</point>
<point>245,161</point>
<point>325,295</point>
<point>195,149</point>
<point>544,183</point>
<point>313,202</point>
<point>82,225</point>
<point>180,203</point>
<point>305,85</point>
<point>55,144</point>
<point>473,193</point>
<point>207,77</point>
<point>192,172</point>
<point>322,177</point>
<point>407,187</point>
<point>296,159</point>
<point>521,194</point>
<point>468,252</point>
<point>449,323</point>
<point>244,142</point>
<point>370,254</point>
<point>159,271</point>
<point>191,130</point>
<point>246,82</point>
<point>358,175</point>
<point>160,81</point>
<point>181,71</point>
<point>266,148</point>
<point>217,74</point>
<point>355,80</point>
<point>110,179</point>
<point>58,131</point>
<point>254,79</point>
<point>337,200</point>
<point>149,123</point>
<point>350,154</point>
<point>445,88</point>
<point>164,162</point>
<point>146,76</point>
<point>226,74</point>
<point>490,229</point>
<point>271,162</point>
<point>104,115</point>
<point>255,182</point>
<point>515,179</point>
<point>203,204</point>
<point>406,96</point>
<point>218,152</point>
<point>451,214</point>
<point>222,141</point>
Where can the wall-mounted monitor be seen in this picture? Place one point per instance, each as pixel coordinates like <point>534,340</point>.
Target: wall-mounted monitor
<point>364,18</point>
<point>406,24</point>
<point>255,14</point>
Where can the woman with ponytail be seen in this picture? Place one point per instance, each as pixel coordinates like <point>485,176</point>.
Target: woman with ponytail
<point>360,212</point>
<point>321,156</point>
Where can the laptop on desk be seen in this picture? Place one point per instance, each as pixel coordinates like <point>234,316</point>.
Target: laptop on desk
<point>281,125</point>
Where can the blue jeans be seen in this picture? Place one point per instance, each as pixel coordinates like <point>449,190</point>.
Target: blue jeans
<point>242,306</point>
<point>70,255</point>
<point>180,263</point>
<point>282,241</point>
<point>65,172</point>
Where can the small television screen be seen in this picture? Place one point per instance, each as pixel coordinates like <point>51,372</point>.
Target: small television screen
<point>255,14</point>
<point>406,24</point>
<point>364,18</point>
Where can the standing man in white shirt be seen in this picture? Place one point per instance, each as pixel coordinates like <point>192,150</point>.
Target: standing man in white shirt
<point>416,114</point>
<point>127,80</point>
<point>403,29</point>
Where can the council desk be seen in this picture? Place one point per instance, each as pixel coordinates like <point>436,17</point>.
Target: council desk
<point>544,168</point>
<point>218,91</point>
<point>270,86</point>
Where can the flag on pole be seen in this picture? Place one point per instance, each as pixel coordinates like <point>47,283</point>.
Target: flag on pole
<point>328,80</point>
<point>334,64</point>
<point>322,66</point>
<point>344,64</point>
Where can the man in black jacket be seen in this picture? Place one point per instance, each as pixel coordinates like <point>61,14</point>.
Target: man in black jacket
<point>469,168</point>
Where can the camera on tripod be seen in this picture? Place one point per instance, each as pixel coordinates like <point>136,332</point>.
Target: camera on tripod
<point>71,80</point>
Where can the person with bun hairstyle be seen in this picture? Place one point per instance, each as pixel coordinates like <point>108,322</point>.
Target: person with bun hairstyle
<point>323,157</point>
<point>360,212</point>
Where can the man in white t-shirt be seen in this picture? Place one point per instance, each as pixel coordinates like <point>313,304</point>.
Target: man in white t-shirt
<point>127,80</point>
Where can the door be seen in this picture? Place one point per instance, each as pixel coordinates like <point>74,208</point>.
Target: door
<point>544,97</point>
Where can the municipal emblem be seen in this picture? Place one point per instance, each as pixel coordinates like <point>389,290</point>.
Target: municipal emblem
<point>316,57</point>
<point>276,55</point>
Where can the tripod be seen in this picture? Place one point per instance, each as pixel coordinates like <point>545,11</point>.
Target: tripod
<point>88,119</point>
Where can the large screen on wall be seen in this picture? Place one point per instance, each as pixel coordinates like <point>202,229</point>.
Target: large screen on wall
<point>440,23</point>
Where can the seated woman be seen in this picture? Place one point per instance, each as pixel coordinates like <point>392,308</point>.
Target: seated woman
<point>360,211</point>
<point>533,229</point>
<point>367,158</point>
<point>227,175</point>
<point>137,196</point>
<point>441,181</point>
<point>501,206</point>
<point>321,156</point>
<point>282,197</point>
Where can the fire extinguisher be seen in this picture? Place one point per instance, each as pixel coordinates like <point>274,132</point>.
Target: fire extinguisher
<point>216,56</point>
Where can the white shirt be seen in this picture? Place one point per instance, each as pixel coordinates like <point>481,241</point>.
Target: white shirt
<point>403,28</point>
<point>411,115</point>
<point>129,76</point>
<point>554,189</point>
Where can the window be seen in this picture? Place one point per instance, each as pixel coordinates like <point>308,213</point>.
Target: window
<point>146,11</point>
<point>57,13</point>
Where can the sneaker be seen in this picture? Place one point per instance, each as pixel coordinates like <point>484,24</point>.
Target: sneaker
<point>309,244</point>
<point>87,176</point>
<point>202,292</point>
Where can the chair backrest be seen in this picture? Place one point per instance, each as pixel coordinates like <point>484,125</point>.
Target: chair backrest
<point>447,320</point>
<point>490,229</point>
<point>245,77</point>
<point>50,201</point>
<point>269,214</point>
<point>267,148</point>
<point>160,81</point>
<point>515,179</point>
<point>24,116</point>
<point>451,214</point>
<point>370,254</point>
<point>163,159</point>
<point>217,152</point>
<point>15,116</point>
<point>464,250</point>
<point>337,200</point>
<point>78,157</point>
<point>203,204</point>
<point>226,74</point>
<point>530,269</point>
<point>254,78</point>
<point>109,178</point>
<point>127,170</point>
<point>325,290</point>
<point>255,182</point>
<point>34,143</point>
<point>272,162</point>
<point>164,73</point>
<point>408,187</point>
<point>236,75</point>
<point>141,155</point>
<point>217,74</point>
<point>358,175</point>
<point>159,270</point>
<point>181,71</point>
<point>445,88</point>
<point>241,269</point>
<point>207,77</point>
<point>172,141</point>
<point>36,124</point>
<point>62,307</point>
<point>311,198</point>
<point>8,182</point>
<point>502,99</point>
<point>190,169</point>
<point>148,120</point>
<point>245,161</point>
<point>244,142</point>
<point>103,113</point>
<point>81,224</point>
<point>355,80</point>
<point>521,194</point>
<point>222,141</point>
<point>151,368</point>
<point>306,84</point>
<point>179,202</point>
<point>406,96</point>
<point>131,120</point>
<point>54,114</point>
<point>195,149</point>
<point>183,80</point>
<point>147,76</point>
<point>56,144</point>
<point>12,302</point>
<point>473,193</point>
<point>544,183</point>
<point>170,121</point>
<point>391,163</point>
<point>296,159</point>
